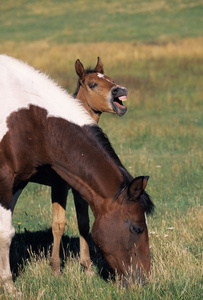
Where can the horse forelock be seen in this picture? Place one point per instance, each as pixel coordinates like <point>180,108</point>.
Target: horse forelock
<point>144,199</point>
<point>21,86</point>
<point>146,203</point>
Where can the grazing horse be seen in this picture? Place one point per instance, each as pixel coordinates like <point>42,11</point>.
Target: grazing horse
<point>97,93</point>
<point>43,130</point>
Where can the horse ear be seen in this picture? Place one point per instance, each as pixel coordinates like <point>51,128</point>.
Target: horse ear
<point>137,185</point>
<point>99,66</point>
<point>80,69</point>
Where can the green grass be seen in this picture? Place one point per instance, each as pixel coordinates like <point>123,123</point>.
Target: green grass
<point>94,21</point>
<point>152,48</point>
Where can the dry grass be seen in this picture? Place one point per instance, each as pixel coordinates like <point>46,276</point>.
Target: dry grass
<point>176,267</point>
<point>48,56</point>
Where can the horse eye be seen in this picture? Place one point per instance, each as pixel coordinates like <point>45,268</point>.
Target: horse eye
<point>136,229</point>
<point>92,85</point>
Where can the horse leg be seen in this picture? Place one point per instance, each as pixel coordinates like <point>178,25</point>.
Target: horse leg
<point>83,225</point>
<point>59,198</point>
<point>7,232</point>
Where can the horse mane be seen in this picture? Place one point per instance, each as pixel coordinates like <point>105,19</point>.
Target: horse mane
<point>89,70</point>
<point>146,203</point>
<point>103,141</point>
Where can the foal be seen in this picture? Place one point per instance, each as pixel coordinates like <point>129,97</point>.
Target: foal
<point>97,93</point>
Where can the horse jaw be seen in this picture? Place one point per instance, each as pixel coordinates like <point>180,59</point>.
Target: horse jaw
<point>117,95</point>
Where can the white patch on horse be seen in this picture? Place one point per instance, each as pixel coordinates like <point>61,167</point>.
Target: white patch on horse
<point>21,86</point>
<point>6,234</point>
<point>109,96</point>
<point>146,219</point>
<point>102,76</point>
<point>6,228</point>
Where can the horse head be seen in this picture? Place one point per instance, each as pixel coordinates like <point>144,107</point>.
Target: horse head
<point>98,92</point>
<point>121,231</point>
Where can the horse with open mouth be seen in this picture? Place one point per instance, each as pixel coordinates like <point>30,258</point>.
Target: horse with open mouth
<point>42,128</point>
<point>98,93</point>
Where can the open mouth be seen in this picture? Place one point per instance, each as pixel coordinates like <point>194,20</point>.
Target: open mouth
<point>118,106</point>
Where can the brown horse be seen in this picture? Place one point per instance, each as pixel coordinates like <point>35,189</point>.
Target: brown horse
<point>38,137</point>
<point>97,93</point>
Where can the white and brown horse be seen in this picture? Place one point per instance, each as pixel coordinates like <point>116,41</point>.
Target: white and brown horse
<point>97,93</point>
<point>44,130</point>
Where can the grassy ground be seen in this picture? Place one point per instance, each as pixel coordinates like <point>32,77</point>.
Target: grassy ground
<point>161,135</point>
<point>87,21</point>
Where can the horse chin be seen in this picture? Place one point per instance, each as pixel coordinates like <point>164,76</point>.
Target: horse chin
<point>118,107</point>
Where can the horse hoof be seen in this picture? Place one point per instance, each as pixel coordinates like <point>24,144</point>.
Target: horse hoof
<point>17,294</point>
<point>11,291</point>
<point>56,272</point>
<point>89,271</point>
<point>55,268</point>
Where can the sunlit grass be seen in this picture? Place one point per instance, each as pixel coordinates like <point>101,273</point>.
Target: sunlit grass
<point>176,257</point>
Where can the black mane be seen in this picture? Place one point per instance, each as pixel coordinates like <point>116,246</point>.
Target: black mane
<point>89,70</point>
<point>103,140</point>
<point>146,203</point>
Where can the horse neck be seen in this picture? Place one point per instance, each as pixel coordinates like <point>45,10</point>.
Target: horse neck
<point>84,165</point>
<point>81,95</point>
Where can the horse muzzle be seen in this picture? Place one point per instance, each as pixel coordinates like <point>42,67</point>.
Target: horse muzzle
<point>118,95</point>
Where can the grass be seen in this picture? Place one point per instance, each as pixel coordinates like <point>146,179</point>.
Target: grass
<point>160,60</point>
<point>176,264</point>
<point>81,21</point>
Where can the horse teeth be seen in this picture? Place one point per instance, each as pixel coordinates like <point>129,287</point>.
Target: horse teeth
<point>122,98</point>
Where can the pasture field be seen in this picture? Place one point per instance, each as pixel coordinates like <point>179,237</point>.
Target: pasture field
<point>161,135</point>
<point>94,21</point>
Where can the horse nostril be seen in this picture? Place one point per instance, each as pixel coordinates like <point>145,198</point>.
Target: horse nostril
<point>119,91</point>
<point>115,91</point>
